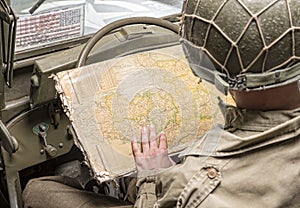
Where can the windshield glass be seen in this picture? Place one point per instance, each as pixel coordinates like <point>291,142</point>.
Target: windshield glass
<point>45,22</point>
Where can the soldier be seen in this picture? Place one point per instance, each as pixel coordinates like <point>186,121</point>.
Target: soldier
<point>253,51</point>
<point>253,46</point>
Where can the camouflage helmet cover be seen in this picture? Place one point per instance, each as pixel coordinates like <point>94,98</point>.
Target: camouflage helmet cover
<point>252,44</point>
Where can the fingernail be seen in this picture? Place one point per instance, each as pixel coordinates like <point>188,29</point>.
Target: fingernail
<point>152,126</point>
<point>144,128</point>
<point>134,139</point>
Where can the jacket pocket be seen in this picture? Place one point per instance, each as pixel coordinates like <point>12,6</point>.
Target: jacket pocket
<point>199,187</point>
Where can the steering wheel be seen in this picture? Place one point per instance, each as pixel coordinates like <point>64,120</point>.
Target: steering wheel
<point>121,23</point>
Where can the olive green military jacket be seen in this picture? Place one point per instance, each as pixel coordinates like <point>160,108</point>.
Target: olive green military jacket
<point>254,163</point>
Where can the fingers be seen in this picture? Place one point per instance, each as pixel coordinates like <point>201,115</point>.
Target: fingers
<point>149,157</point>
<point>152,140</point>
<point>135,147</point>
<point>163,141</point>
<point>145,139</point>
<point>149,145</point>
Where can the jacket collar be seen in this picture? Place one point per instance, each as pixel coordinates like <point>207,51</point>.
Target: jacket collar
<point>246,131</point>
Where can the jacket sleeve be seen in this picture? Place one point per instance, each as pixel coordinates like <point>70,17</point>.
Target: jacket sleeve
<point>161,190</point>
<point>146,194</point>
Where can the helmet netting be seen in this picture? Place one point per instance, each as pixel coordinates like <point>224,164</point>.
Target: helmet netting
<point>243,36</point>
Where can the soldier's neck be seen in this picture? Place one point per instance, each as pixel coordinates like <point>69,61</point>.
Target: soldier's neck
<point>280,98</point>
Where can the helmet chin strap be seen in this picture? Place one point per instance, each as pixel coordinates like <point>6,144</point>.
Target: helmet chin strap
<point>299,85</point>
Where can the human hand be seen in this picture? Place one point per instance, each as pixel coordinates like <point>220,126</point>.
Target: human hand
<point>152,155</point>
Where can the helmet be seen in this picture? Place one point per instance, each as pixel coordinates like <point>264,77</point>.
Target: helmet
<point>243,44</point>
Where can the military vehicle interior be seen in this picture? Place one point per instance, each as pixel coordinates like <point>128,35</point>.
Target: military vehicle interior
<point>41,38</point>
